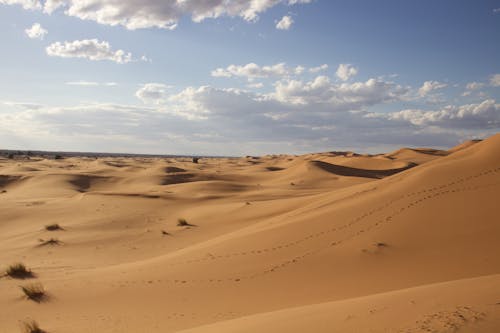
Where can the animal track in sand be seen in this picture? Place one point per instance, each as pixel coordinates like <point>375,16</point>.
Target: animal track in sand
<point>353,221</point>
<point>430,193</point>
<point>446,321</point>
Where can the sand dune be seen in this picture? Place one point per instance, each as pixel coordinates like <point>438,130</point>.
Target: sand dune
<point>327,242</point>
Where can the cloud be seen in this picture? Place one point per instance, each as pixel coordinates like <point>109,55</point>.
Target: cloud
<point>51,5</point>
<point>164,14</point>
<point>495,80</point>
<point>430,86</point>
<point>474,85</point>
<point>26,4</point>
<point>252,71</point>
<point>234,122</point>
<point>346,71</point>
<point>496,10</point>
<point>334,97</point>
<point>91,49</point>
<point>91,83</point>
<point>317,69</point>
<point>152,92</point>
<point>256,85</point>
<point>484,115</point>
<point>36,31</point>
<point>285,23</point>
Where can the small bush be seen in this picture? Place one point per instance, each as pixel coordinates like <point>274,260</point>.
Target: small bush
<point>51,242</point>
<point>163,232</point>
<point>53,227</point>
<point>31,326</point>
<point>19,271</point>
<point>34,292</point>
<point>182,223</point>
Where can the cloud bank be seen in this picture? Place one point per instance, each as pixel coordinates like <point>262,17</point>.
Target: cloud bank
<point>164,14</point>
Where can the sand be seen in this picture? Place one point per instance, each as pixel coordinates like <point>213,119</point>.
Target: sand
<point>406,241</point>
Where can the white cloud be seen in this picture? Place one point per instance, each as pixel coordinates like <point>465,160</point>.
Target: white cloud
<point>91,83</point>
<point>335,97</point>
<point>317,69</point>
<point>165,14</point>
<point>230,121</point>
<point>474,85</point>
<point>285,23</point>
<point>482,116</point>
<point>430,86</point>
<point>496,10</point>
<point>346,71</point>
<point>51,5</point>
<point>26,4</point>
<point>36,31</point>
<point>471,87</point>
<point>152,92</point>
<point>495,80</point>
<point>256,85</point>
<point>252,71</point>
<point>92,49</point>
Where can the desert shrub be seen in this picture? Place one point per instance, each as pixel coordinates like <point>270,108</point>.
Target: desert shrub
<point>34,292</point>
<point>18,271</point>
<point>53,227</point>
<point>182,222</point>
<point>51,241</point>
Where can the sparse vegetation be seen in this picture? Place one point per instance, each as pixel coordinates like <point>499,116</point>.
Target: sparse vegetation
<point>163,232</point>
<point>196,159</point>
<point>31,326</point>
<point>51,241</point>
<point>34,292</point>
<point>19,271</point>
<point>182,223</point>
<point>53,227</point>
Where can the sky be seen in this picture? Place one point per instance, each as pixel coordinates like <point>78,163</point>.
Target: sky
<point>247,77</point>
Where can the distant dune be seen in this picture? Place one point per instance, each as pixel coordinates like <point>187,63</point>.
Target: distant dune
<point>406,241</point>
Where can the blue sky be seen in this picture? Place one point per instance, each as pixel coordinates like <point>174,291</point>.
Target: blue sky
<point>247,77</point>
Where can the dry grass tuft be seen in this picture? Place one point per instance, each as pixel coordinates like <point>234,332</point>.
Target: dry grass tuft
<point>53,227</point>
<point>51,242</point>
<point>182,223</point>
<point>19,271</point>
<point>34,292</point>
